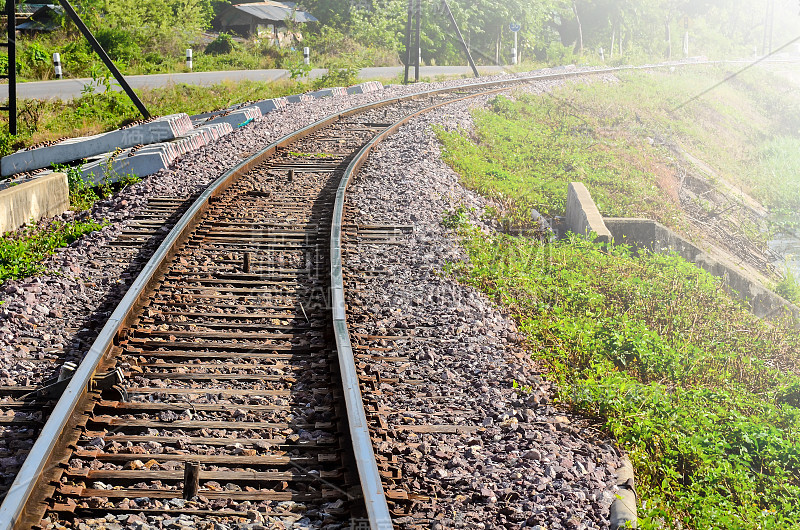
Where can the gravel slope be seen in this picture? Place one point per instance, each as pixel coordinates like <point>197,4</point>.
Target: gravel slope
<point>52,318</point>
<point>526,463</point>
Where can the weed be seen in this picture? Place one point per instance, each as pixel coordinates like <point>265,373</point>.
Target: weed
<point>681,374</point>
<point>789,287</point>
<point>456,218</point>
<point>343,72</point>
<point>22,253</point>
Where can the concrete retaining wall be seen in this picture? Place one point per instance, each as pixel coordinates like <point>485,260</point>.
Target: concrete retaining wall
<point>159,130</point>
<point>42,197</point>
<point>583,217</point>
<point>644,233</point>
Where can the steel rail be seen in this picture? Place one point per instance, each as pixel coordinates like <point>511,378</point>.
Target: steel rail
<point>371,484</point>
<point>39,461</point>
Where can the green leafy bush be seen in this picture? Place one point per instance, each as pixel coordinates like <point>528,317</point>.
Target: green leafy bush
<point>681,374</point>
<point>22,253</point>
<point>121,45</point>
<point>224,44</point>
<point>789,287</point>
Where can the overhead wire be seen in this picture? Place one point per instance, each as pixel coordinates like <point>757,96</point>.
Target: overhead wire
<point>735,74</point>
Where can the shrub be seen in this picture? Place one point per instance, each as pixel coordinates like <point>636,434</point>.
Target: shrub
<point>789,287</point>
<point>120,44</point>
<point>223,44</point>
<point>343,72</point>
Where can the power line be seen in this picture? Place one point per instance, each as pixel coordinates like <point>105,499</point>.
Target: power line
<point>749,66</point>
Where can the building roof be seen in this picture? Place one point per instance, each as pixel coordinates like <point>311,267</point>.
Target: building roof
<point>45,18</point>
<point>275,11</point>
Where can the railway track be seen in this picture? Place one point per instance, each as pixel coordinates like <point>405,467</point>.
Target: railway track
<point>223,386</point>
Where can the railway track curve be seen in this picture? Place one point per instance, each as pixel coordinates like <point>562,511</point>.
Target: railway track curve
<point>224,384</point>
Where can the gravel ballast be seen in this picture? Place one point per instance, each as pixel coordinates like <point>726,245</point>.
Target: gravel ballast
<point>54,317</point>
<point>518,461</point>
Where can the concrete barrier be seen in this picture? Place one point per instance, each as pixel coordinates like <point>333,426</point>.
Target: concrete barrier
<point>623,511</point>
<point>652,235</point>
<point>299,98</point>
<point>150,159</point>
<point>329,92</point>
<point>365,88</point>
<point>583,217</point>
<point>238,117</point>
<point>159,130</point>
<point>32,200</point>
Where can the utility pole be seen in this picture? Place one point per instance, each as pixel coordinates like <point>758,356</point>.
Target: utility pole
<point>408,39</point>
<point>769,22</point>
<point>418,46</point>
<point>11,45</point>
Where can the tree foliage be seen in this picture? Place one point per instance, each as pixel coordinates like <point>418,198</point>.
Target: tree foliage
<point>633,29</point>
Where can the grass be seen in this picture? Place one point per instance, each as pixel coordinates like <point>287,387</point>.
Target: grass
<point>526,151</point>
<point>702,394</point>
<point>101,111</point>
<point>621,139</point>
<point>22,252</point>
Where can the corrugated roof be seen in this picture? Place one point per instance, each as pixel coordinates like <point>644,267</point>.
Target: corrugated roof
<point>275,11</point>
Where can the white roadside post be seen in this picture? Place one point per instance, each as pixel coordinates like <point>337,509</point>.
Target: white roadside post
<point>57,65</point>
<point>686,37</point>
<point>602,55</point>
<point>514,27</point>
<point>189,62</point>
<point>307,56</point>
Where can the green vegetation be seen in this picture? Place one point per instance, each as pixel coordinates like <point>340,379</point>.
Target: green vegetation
<point>526,152</point>
<point>104,109</point>
<point>22,252</point>
<point>789,287</point>
<point>620,139</point>
<point>84,194</point>
<point>150,36</point>
<point>146,41</point>
<point>778,178</point>
<point>702,394</point>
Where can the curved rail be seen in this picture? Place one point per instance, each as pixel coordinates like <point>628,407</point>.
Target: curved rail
<point>371,485</point>
<point>15,509</point>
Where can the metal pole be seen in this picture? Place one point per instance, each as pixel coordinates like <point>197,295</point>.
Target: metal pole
<point>408,38</point>
<point>766,23</point>
<point>419,32</point>
<point>514,59</point>
<point>11,13</point>
<point>771,23</point>
<point>104,57</point>
<point>461,38</point>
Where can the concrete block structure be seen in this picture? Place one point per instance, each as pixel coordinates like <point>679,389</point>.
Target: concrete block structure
<point>653,236</point>
<point>45,196</point>
<point>365,88</point>
<point>159,130</point>
<point>237,117</point>
<point>583,217</point>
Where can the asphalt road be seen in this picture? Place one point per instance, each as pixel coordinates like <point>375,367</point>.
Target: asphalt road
<point>72,88</point>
